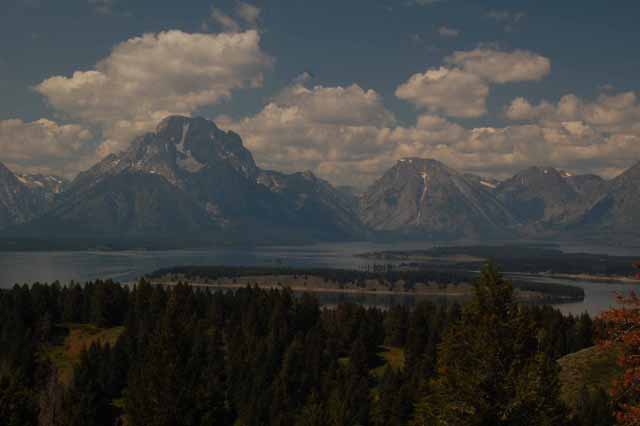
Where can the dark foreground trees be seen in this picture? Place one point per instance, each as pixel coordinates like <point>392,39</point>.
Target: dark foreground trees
<point>269,357</point>
<point>493,366</point>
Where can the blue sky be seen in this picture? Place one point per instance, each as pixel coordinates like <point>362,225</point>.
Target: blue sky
<point>356,53</point>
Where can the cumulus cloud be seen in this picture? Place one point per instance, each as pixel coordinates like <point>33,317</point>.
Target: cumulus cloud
<point>338,132</point>
<point>502,67</point>
<point>461,88</point>
<point>226,22</point>
<point>455,92</point>
<point>600,135</point>
<point>346,135</point>
<point>248,13</point>
<point>147,78</point>
<point>44,146</point>
<point>503,151</point>
<point>609,112</point>
<point>350,105</point>
<point>299,130</point>
<point>245,16</point>
<point>522,109</point>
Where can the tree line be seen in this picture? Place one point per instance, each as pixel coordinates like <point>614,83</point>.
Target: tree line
<point>408,277</point>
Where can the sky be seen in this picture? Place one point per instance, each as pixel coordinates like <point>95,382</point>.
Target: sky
<point>341,88</point>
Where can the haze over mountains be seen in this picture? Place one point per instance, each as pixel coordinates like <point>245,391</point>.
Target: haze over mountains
<point>192,182</point>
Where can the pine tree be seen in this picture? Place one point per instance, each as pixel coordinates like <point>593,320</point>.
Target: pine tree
<point>490,369</point>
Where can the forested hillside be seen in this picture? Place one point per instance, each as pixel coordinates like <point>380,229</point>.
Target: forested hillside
<point>106,354</point>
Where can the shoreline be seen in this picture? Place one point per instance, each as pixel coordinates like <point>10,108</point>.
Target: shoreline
<point>299,289</point>
<point>527,296</point>
<point>618,279</point>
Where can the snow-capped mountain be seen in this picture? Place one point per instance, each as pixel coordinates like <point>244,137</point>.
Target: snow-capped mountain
<point>19,202</point>
<point>191,178</point>
<point>191,181</point>
<point>427,197</point>
<point>47,183</point>
<point>545,195</point>
<point>615,207</point>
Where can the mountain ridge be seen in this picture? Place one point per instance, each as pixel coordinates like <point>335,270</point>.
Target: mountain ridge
<point>191,181</point>
<point>426,196</point>
<point>191,178</point>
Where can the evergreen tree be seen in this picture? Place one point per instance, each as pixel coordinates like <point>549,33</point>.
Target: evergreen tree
<point>490,369</point>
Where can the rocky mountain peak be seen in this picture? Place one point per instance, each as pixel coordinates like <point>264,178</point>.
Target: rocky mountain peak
<point>421,163</point>
<point>197,143</point>
<point>18,202</point>
<point>427,196</point>
<point>536,174</point>
<point>632,173</point>
<point>180,149</point>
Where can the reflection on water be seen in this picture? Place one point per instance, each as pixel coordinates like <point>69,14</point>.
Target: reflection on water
<point>29,267</point>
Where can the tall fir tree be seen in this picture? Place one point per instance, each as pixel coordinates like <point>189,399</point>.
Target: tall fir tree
<point>490,369</point>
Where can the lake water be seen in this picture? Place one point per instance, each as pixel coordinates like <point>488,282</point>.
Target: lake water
<point>80,266</point>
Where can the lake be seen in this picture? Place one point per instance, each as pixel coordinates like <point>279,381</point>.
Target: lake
<point>80,266</point>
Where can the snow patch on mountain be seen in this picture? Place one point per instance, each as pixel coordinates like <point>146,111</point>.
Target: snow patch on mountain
<point>425,189</point>
<point>183,138</point>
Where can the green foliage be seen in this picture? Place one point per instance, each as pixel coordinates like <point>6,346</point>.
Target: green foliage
<point>587,370</point>
<point>104,354</point>
<point>491,369</point>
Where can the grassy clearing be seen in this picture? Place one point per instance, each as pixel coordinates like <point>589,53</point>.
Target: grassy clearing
<point>78,338</point>
<point>593,367</point>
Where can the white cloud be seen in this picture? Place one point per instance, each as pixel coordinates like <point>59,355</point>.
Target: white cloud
<point>502,67</point>
<point>248,13</point>
<point>452,91</point>
<point>608,113</point>
<point>147,78</point>
<point>303,78</point>
<point>589,136</point>
<point>338,132</point>
<point>350,105</point>
<point>301,129</point>
<point>461,88</point>
<point>44,146</point>
<point>521,109</point>
<point>448,32</point>
<point>226,22</point>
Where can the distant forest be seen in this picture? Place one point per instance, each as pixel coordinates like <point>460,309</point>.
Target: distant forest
<point>518,258</point>
<point>556,293</point>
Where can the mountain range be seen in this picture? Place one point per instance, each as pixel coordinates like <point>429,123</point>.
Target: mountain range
<point>189,182</point>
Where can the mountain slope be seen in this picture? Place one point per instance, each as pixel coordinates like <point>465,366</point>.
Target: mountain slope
<point>190,178</point>
<point>129,203</point>
<point>311,201</point>
<point>18,203</point>
<point>616,207</point>
<point>426,197</point>
<point>543,197</point>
